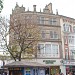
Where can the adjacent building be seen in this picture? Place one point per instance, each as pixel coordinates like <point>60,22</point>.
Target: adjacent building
<point>68,42</point>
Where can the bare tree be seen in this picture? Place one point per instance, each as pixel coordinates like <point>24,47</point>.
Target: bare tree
<point>23,37</point>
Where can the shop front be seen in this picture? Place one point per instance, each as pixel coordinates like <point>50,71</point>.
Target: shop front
<point>26,68</point>
<point>53,65</point>
<point>54,69</point>
<point>45,67</point>
<point>27,71</point>
<point>70,69</point>
<point>16,71</point>
<point>70,66</point>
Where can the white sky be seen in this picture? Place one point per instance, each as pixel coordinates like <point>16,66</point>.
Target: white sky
<point>65,7</point>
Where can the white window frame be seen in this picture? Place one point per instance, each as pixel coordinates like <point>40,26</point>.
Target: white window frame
<point>52,21</point>
<point>52,55</point>
<point>66,27</point>
<point>52,36</point>
<point>41,20</point>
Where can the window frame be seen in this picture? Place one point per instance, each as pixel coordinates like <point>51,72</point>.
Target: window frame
<point>56,54</point>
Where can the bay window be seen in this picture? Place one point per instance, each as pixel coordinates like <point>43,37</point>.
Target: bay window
<point>55,49</point>
<point>48,48</point>
<point>41,48</point>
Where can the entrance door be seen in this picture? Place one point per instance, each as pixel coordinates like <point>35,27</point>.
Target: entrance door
<point>47,71</point>
<point>42,72</point>
<point>54,69</point>
<point>28,72</point>
<point>35,71</point>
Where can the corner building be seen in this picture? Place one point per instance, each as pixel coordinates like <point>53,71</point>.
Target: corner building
<point>54,30</point>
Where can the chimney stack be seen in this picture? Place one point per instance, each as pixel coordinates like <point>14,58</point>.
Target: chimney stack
<point>34,8</point>
<point>56,11</point>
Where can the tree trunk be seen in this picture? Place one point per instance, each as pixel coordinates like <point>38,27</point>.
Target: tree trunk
<point>19,59</point>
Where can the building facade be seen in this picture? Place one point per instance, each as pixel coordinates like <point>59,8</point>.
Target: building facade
<point>57,46</point>
<point>68,42</point>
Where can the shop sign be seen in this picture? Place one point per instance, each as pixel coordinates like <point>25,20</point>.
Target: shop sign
<point>14,68</point>
<point>69,63</point>
<point>49,61</point>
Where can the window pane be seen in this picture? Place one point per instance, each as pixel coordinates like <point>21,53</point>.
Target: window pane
<point>43,34</point>
<point>67,27</point>
<point>52,21</point>
<point>51,34</point>
<point>55,35</point>
<point>48,48</point>
<point>41,20</point>
<point>41,48</point>
<point>71,39</point>
<point>55,49</point>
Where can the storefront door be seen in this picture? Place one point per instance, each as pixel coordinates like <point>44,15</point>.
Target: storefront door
<point>54,69</point>
<point>35,71</point>
<point>47,71</point>
<point>42,72</point>
<point>28,73</point>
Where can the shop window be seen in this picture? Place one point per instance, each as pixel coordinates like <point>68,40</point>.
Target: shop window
<point>28,73</point>
<point>42,72</point>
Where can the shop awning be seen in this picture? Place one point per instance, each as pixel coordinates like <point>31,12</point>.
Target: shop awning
<point>24,64</point>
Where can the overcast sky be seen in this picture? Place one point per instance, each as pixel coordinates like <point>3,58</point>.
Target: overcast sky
<point>65,7</point>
